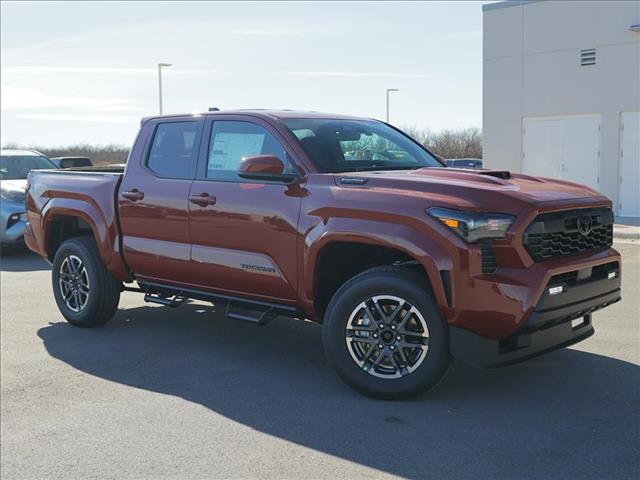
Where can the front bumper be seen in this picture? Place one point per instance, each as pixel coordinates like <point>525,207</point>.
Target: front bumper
<point>554,322</point>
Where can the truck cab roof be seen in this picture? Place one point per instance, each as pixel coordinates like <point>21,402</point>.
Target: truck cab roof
<point>258,112</point>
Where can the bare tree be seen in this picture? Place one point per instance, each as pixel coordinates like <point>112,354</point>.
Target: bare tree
<point>99,154</point>
<point>465,143</point>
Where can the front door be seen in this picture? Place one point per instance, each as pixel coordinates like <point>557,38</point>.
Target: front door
<point>243,232</point>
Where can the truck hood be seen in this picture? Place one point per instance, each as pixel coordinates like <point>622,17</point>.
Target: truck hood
<point>496,190</point>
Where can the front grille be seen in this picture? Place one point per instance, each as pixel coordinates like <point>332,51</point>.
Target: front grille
<point>572,232</point>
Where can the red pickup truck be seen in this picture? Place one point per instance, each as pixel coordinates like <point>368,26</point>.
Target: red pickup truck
<point>344,221</point>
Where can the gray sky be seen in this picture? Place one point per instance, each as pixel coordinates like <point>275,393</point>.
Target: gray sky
<point>86,72</point>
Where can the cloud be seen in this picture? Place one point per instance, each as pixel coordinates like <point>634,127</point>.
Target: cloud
<point>47,70</point>
<point>468,35</point>
<point>217,29</point>
<point>78,118</point>
<point>36,70</point>
<point>24,98</point>
<point>147,32</point>
<point>363,74</point>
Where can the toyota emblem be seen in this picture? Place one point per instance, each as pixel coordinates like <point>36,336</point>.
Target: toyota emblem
<point>585,225</point>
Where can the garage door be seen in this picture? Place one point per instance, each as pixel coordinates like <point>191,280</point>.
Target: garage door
<point>566,147</point>
<point>629,193</point>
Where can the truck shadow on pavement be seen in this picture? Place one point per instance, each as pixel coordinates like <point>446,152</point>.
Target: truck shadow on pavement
<point>20,259</point>
<point>569,414</point>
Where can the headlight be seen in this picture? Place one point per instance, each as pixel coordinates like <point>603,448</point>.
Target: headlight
<point>474,226</point>
<point>12,195</point>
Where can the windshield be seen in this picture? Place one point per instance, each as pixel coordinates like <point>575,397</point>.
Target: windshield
<point>358,145</point>
<point>18,167</point>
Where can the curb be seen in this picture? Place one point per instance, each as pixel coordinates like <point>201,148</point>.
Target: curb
<point>626,232</point>
<point>626,236</point>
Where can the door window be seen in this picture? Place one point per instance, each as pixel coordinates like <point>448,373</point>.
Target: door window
<point>173,152</point>
<point>232,141</point>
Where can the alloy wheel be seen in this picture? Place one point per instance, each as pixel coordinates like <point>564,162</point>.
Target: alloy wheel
<point>74,283</point>
<point>387,336</point>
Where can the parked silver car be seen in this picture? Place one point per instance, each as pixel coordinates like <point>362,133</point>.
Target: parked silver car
<point>14,167</point>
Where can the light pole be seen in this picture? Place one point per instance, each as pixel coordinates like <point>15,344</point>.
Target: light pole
<point>389,90</point>
<point>160,65</point>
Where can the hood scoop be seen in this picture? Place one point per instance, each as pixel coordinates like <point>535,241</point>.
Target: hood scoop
<point>502,174</point>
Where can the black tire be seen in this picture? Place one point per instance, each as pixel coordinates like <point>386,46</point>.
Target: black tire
<point>104,290</point>
<point>386,281</point>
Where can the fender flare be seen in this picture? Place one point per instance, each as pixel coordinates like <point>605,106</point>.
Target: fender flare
<point>422,244</point>
<point>104,230</point>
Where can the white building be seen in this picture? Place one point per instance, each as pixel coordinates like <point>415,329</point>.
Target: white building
<point>561,93</point>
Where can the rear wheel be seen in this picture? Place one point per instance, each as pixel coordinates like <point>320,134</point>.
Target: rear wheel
<point>384,334</point>
<point>86,293</point>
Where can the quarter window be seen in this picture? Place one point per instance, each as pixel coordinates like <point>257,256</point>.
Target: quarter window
<point>232,141</point>
<point>173,151</point>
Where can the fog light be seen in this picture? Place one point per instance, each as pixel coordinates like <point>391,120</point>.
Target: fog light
<point>556,290</point>
<point>611,275</point>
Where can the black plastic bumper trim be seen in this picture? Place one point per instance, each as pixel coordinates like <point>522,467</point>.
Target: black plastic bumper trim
<point>543,318</point>
<point>473,349</point>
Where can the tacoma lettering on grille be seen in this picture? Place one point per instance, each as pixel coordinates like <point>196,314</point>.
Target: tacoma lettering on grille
<point>572,232</point>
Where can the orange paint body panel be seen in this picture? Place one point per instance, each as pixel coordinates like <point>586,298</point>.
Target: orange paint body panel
<point>264,240</point>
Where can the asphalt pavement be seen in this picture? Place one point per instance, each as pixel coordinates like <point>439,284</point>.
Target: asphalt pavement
<point>183,393</point>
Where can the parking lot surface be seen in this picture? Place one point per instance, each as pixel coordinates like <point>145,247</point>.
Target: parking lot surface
<point>183,393</point>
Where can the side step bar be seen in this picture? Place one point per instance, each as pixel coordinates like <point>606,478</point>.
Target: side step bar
<point>236,308</point>
<point>174,301</point>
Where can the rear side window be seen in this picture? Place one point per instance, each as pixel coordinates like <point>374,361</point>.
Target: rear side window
<point>173,151</point>
<point>231,141</point>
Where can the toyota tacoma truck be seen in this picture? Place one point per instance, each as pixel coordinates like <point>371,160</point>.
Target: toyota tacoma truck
<point>344,221</point>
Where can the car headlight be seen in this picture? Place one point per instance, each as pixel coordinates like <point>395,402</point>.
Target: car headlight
<point>12,195</point>
<point>474,226</point>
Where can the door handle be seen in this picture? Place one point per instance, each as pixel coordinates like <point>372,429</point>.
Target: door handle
<point>204,199</point>
<point>134,195</point>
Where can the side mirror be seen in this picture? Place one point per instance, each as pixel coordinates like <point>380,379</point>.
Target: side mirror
<point>264,167</point>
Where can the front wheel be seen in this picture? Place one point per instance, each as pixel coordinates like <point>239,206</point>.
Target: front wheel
<point>86,293</point>
<point>384,334</point>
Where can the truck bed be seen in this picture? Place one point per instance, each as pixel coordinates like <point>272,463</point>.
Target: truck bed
<point>87,193</point>
<point>96,169</point>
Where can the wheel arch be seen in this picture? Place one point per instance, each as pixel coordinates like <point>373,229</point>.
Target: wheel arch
<point>65,218</point>
<point>392,243</point>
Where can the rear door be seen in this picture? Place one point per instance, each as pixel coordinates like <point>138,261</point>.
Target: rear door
<point>153,205</point>
<point>243,232</point>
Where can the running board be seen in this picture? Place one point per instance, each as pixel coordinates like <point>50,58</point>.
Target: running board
<point>236,308</point>
<point>174,301</point>
<point>251,314</point>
